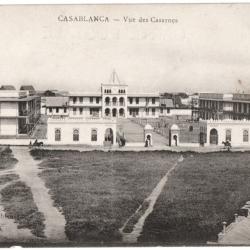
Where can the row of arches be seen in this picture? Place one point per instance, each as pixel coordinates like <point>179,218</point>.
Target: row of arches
<point>114,112</point>
<point>114,100</point>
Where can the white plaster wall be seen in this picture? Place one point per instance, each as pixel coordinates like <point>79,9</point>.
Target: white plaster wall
<point>180,112</point>
<point>236,133</point>
<point>8,126</point>
<point>84,132</point>
<point>8,109</point>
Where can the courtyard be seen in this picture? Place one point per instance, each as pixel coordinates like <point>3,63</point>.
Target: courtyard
<point>98,193</point>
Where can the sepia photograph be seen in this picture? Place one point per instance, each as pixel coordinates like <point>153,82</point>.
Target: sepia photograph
<point>125,125</point>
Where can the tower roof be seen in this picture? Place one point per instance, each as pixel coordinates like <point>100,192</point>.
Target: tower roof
<point>114,79</point>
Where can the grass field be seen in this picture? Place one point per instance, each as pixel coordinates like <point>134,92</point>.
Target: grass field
<point>7,160</point>
<point>203,191</point>
<point>16,197</point>
<point>98,191</point>
<point>18,204</point>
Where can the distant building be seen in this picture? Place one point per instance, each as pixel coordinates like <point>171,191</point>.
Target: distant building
<point>113,101</point>
<point>19,111</point>
<point>223,106</point>
<point>57,106</point>
<point>7,87</point>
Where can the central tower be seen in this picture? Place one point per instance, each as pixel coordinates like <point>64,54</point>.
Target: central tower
<point>114,98</point>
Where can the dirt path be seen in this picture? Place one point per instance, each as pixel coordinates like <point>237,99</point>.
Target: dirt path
<point>27,169</point>
<point>145,209</point>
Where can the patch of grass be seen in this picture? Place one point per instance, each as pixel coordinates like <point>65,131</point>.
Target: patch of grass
<point>7,178</point>
<point>7,160</point>
<point>18,204</point>
<point>202,192</point>
<point>99,191</point>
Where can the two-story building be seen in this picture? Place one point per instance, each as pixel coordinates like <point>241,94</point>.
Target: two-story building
<point>19,110</point>
<point>113,100</point>
<point>223,106</point>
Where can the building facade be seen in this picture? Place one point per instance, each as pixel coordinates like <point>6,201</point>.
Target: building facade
<point>223,106</point>
<point>113,101</point>
<point>234,131</point>
<point>19,111</point>
<point>77,130</point>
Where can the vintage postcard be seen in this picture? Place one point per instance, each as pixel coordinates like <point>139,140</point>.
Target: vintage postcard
<point>125,125</point>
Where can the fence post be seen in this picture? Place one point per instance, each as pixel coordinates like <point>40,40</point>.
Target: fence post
<point>235,217</point>
<point>224,226</point>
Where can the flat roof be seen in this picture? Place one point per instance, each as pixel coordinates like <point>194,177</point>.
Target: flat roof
<point>143,95</point>
<point>86,94</point>
<point>18,99</point>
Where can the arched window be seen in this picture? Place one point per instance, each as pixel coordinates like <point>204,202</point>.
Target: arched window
<point>121,101</point>
<point>107,100</point>
<point>107,112</point>
<point>245,135</point>
<point>75,134</point>
<point>57,134</point>
<point>114,100</point>
<point>228,135</point>
<point>93,134</point>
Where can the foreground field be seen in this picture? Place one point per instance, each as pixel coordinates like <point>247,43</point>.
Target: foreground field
<point>99,191</point>
<point>203,191</point>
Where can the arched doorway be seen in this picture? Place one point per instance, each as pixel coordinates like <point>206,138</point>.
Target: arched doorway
<point>175,137</point>
<point>114,112</point>
<point>108,137</point>
<point>121,112</point>
<point>107,112</point>
<point>214,136</point>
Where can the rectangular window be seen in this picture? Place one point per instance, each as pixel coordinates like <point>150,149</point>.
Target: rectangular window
<point>228,135</point>
<point>74,100</point>
<point>81,110</point>
<point>75,134</point>
<point>245,135</point>
<point>130,100</point>
<point>65,110</point>
<point>81,99</point>
<point>91,99</point>
<point>74,111</point>
<point>147,111</point>
<point>50,110</point>
<point>57,134</point>
<point>57,110</point>
<point>93,134</point>
<point>137,100</point>
<point>153,100</point>
<point>161,110</point>
<point>97,100</point>
<point>153,111</point>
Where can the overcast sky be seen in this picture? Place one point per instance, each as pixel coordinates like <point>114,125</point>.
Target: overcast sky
<point>208,49</point>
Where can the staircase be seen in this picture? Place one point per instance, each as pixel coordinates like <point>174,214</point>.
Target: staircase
<point>132,131</point>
